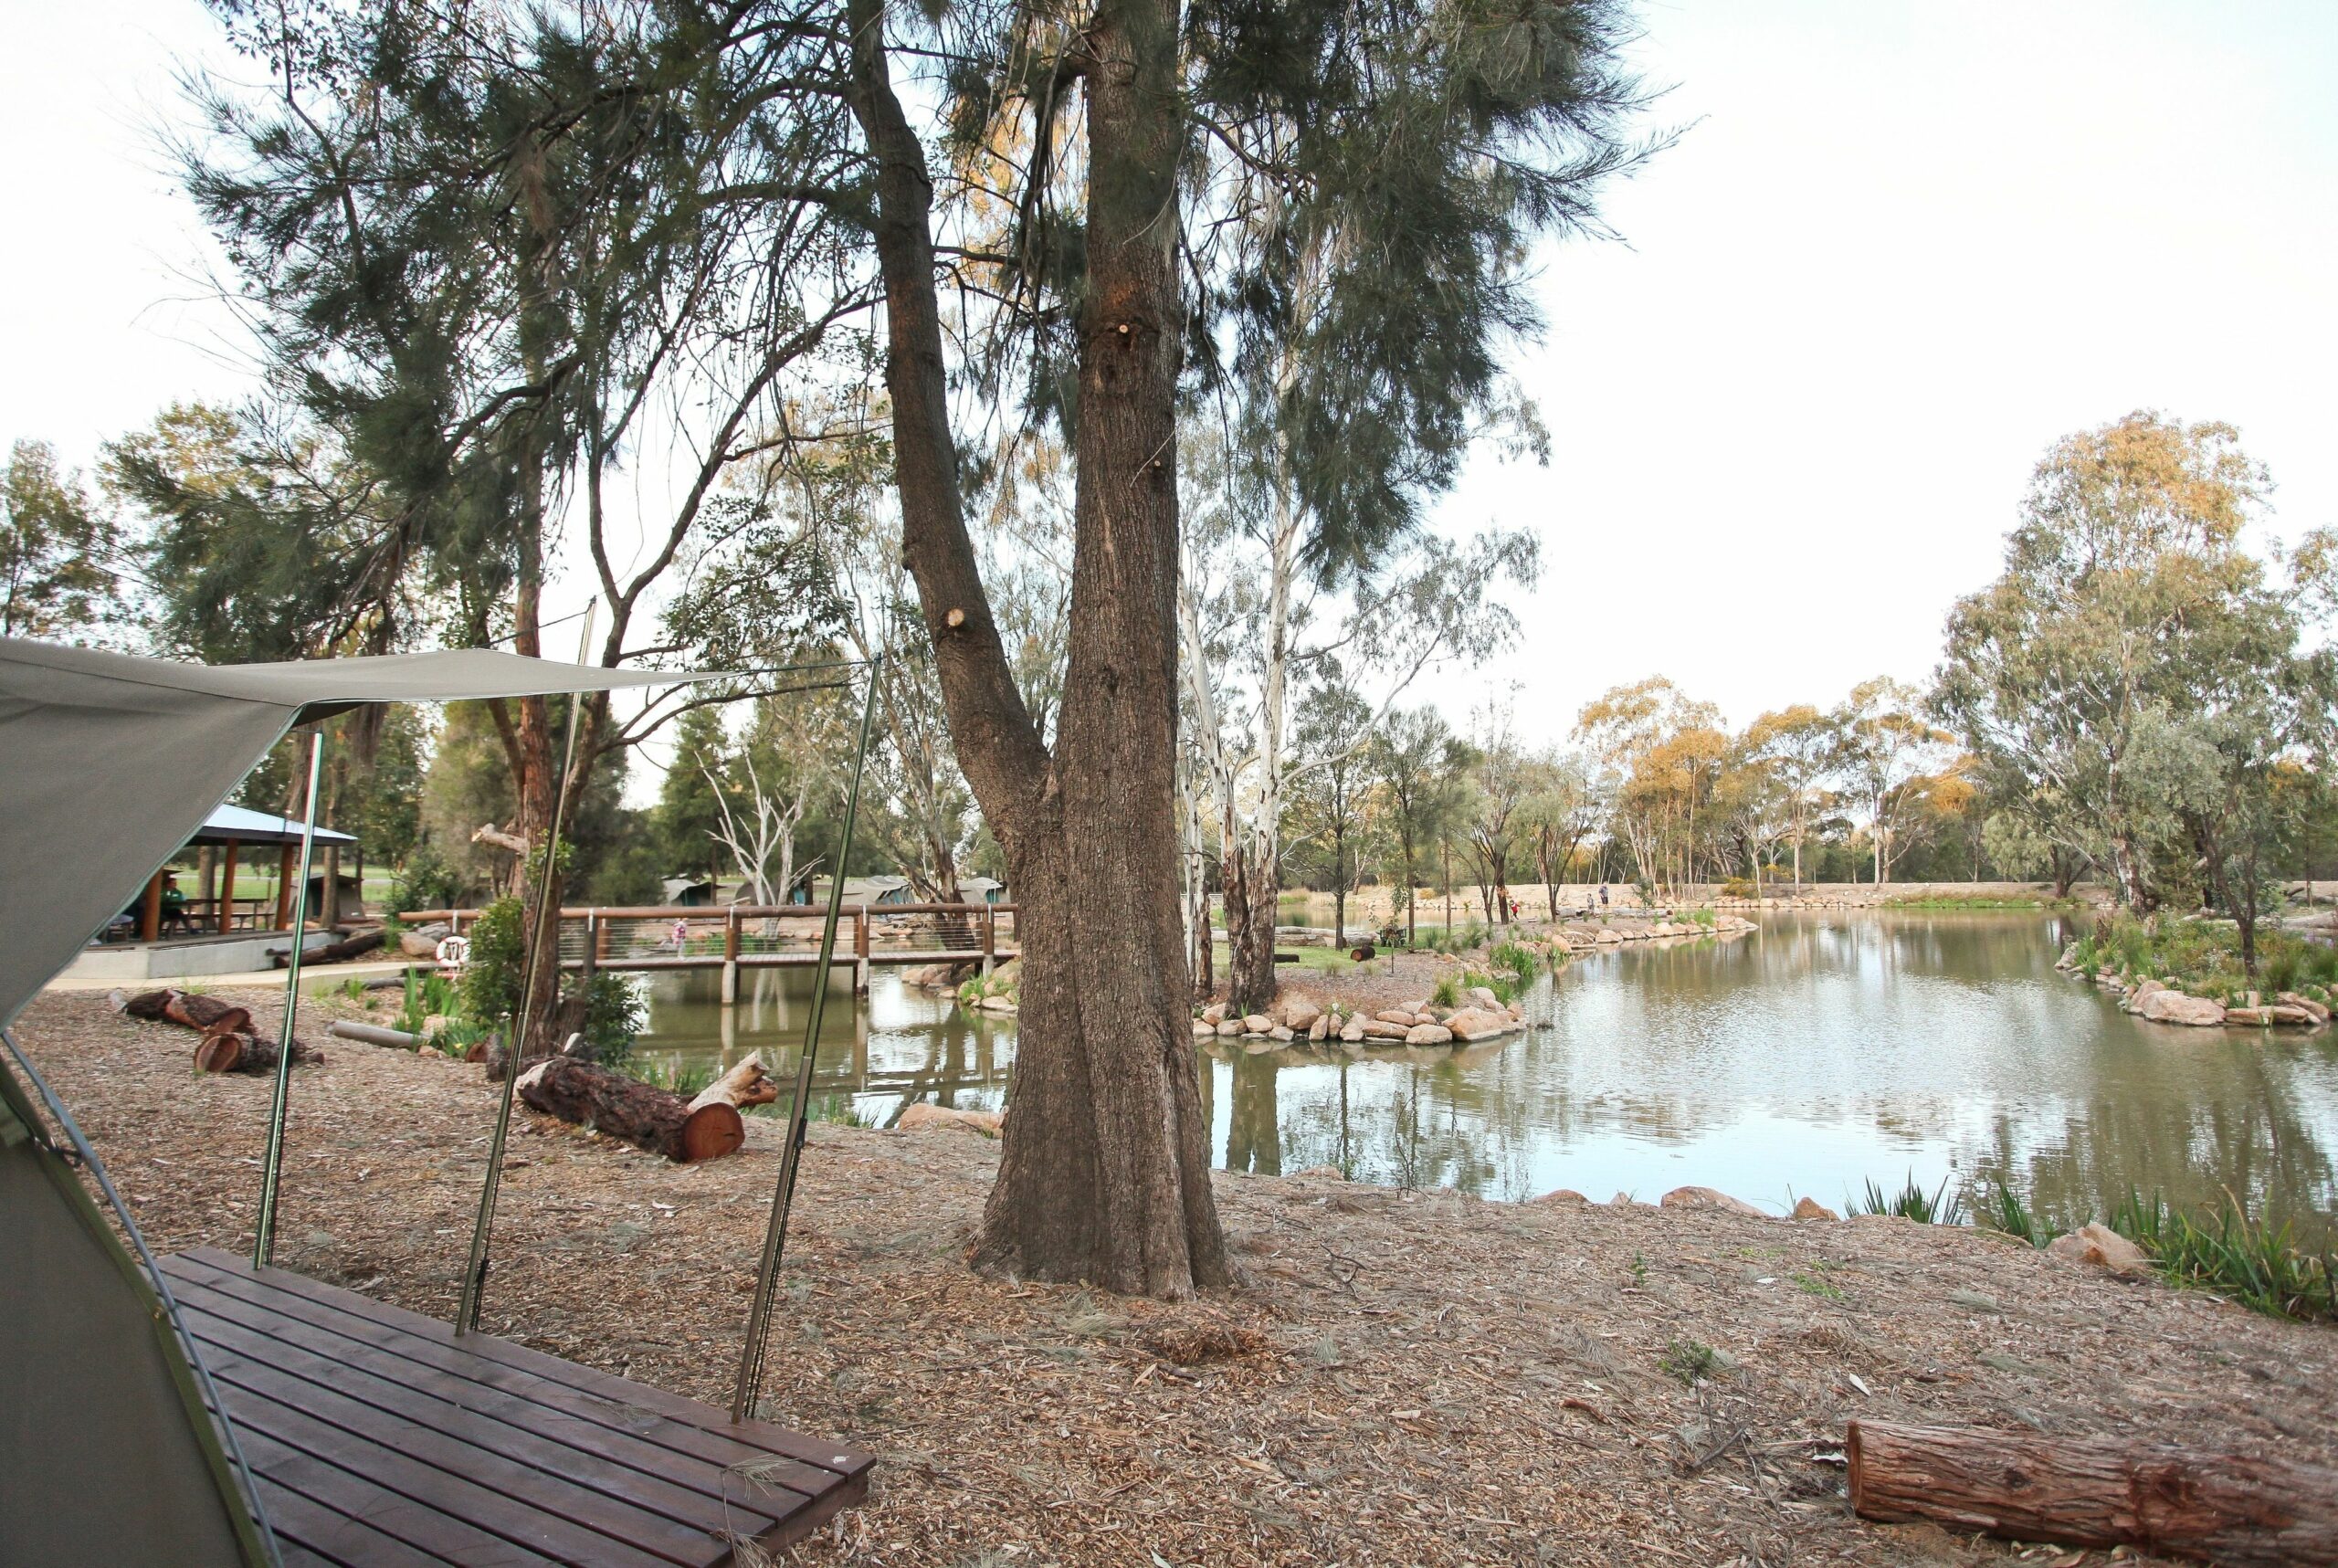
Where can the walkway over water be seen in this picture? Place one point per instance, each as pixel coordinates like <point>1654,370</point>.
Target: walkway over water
<point>734,937</point>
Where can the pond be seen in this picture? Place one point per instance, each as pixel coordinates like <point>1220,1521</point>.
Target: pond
<point>1825,1050</point>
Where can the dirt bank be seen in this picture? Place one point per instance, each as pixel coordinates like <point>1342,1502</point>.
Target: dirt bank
<point>1406,1378</point>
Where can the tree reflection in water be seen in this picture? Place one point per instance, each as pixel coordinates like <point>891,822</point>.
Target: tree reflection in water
<point>1828,1048</point>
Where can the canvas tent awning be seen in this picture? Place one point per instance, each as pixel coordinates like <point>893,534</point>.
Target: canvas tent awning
<point>105,1452</point>
<point>150,748</point>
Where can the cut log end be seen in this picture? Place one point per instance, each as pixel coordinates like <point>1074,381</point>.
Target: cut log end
<point>218,1053</point>
<point>709,1133</point>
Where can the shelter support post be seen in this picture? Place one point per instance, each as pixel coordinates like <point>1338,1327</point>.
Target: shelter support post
<point>150,907</point>
<point>226,906</point>
<point>791,1159</point>
<point>329,907</point>
<point>272,1162</point>
<point>284,887</point>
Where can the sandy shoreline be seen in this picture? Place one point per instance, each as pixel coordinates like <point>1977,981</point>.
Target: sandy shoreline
<point>1406,1377</point>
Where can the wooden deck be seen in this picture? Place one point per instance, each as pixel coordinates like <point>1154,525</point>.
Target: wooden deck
<point>380,1438</point>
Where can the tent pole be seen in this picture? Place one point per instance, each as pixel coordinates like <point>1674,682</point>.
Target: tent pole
<point>751,1360</point>
<point>272,1166</point>
<point>547,935</point>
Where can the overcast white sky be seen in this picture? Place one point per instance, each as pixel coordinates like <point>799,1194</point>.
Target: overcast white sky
<point>1899,249</point>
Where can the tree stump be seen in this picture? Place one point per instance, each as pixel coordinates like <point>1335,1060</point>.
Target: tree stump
<point>2214,1507</point>
<point>644,1116</point>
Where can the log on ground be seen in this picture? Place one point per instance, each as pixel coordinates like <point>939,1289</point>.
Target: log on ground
<point>234,1050</point>
<point>648,1117</point>
<point>2212,1507</point>
<point>374,1034</point>
<point>341,951</point>
<point>188,1009</point>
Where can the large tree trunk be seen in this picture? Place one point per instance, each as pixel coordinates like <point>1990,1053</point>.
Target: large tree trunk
<point>1251,897</point>
<point>1105,1175</point>
<point>2219,1508</point>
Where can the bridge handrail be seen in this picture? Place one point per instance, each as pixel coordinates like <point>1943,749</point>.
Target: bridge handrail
<point>719,911</point>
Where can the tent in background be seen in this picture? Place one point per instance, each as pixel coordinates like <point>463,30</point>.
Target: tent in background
<point>105,1453</point>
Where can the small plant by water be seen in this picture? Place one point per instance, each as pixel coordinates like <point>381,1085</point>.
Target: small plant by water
<point>2242,1259</point>
<point>1518,961</point>
<point>1448,993</point>
<point>1940,1206</point>
<point>672,1074</point>
<point>2003,1210</point>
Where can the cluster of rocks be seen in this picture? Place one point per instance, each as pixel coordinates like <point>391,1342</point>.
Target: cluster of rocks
<point>1579,935</point>
<point>2164,1004</point>
<point>1485,1017</point>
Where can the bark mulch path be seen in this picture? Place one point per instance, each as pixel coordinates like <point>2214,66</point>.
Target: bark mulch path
<point>1405,1378</point>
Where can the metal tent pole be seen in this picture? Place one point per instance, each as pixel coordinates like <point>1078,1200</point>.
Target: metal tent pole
<point>751,1360</point>
<point>547,935</point>
<point>271,1164</point>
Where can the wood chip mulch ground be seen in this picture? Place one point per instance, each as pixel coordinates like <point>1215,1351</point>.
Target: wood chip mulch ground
<point>1405,1377</point>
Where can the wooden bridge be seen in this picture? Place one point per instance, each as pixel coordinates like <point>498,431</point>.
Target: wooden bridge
<point>734,937</point>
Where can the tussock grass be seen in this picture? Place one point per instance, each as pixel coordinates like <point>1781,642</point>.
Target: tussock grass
<point>1940,1206</point>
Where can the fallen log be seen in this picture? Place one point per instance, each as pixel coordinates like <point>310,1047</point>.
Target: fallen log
<point>374,1034</point>
<point>744,1085</point>
<point>357,946</point>
<point>2213,1507</point>
<point>229,1050</point>
<point>645,1115</point>
<point>189,1009</point>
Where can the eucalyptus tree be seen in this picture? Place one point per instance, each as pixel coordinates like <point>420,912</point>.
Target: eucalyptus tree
<point>1563,812</point>
<point>1256,624</point>
<point>2067,675</point>
<point>1884,746</point>
<point>1795,747</point>
<point>1332,805</point>
<point>1422,769</point>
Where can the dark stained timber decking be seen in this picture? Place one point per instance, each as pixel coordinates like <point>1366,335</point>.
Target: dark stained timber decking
<point>381,1440</point>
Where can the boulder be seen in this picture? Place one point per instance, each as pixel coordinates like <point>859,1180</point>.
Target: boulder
<point>2135,1002</point>
<point>1320,1029</point>
<point>2292,999</point>
<point>924,1115</point>
<point>1485,998</point>
<point>2165,1006</point>
<point>1205,1031</point>
<point>1811,1208</point>
<point>421,941</point>
<point>2283,1012</point>
<point>1214,1013</point>
<point>2103,1247</point>
<point>1228,1027</point>
<point>1608,933</point>
<point>998,1004</point>
<point>1381,1029</point>
<point>1255,1023</point>
<point>1353,1032</point>
<point>1404,1015</point>
<point>1563,1195</point>
<point>1477,1024</point>
<point>1708,1198</point>
<point>2248,1016</point>
<point>1299,1015</point>
<point>1282,1032</point>
<point>1428,1034</point>
<point>1323,1173</point>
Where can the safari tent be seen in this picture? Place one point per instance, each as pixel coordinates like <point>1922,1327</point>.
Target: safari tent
<point>109,1448</point>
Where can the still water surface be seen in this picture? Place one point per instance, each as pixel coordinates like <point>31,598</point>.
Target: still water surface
<point>1827,1049</point>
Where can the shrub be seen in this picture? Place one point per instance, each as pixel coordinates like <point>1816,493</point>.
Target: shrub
<point>1448,993</point>
<point>489,992</point>
<point>1517,959</point>
<point>2003,1210</point>
<point>2242,1259</point>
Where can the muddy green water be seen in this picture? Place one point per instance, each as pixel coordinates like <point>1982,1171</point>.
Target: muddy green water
<point>1824,1051</point>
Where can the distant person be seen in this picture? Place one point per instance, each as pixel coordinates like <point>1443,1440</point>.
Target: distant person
<point>1603,895</point>
<point>174,905</point>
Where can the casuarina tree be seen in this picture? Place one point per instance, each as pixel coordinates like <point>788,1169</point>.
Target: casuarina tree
<point>1060,222</point>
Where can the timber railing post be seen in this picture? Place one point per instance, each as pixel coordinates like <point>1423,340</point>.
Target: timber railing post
<point>990,940</point>
<point>731,957</point>
<point>860,950</point>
